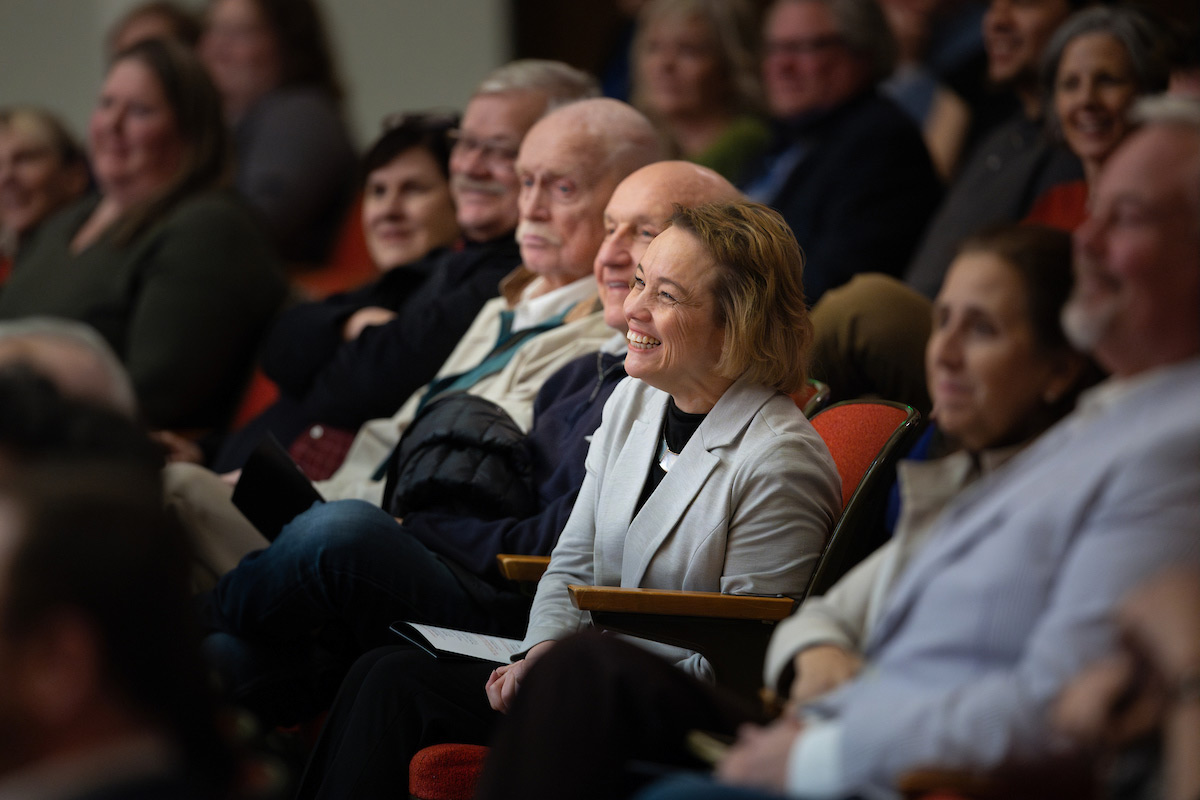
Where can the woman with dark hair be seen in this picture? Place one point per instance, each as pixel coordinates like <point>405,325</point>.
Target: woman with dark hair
<point>407,212</point>
<point>1099,62</point>
<point>169,268</point>
<point>272,63</point>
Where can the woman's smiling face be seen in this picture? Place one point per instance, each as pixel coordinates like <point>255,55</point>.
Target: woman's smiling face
<point>674,338</point>
<point>1093,91</point>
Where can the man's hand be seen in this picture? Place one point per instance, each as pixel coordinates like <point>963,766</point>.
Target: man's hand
<point>821,669</point>
<point>365,318</point>
<point>503,683</point>
<point>759,757</point>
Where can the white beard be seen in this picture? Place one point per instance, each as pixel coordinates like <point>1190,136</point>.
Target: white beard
<point>1086,323</point>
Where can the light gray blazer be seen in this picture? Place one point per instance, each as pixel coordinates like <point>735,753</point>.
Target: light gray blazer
<point>1014,592</point>
<point>745,509</point>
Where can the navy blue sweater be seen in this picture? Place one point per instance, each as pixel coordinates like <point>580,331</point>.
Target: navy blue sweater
<point>567,411</point>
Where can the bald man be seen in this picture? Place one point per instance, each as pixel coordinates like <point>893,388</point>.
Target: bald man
<point>352,564</point>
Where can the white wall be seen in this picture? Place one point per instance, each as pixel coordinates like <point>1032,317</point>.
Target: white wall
<point>394,54</point>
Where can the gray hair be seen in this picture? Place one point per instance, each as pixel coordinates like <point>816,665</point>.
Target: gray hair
<point>1167,109</point>
<point>865,30</point>
<point>736,30</point>
<point>560,82</point>
<point>116,390</point>
<point>1145,44</point>
<point>1173,110</point>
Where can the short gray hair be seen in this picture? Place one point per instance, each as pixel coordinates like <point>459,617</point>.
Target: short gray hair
<point>1168,109</point>
<point>1145,44</point>
<point>560,82</point>
<point>117,391</point>
<point>1173,110</point>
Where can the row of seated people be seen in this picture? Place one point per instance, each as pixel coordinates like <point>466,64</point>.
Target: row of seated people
<point>102,665</point>
<point>648,262</point>
<point>969,625</point>
<point>991,293</point>
<point>197,391</point>
<point>537,238</point>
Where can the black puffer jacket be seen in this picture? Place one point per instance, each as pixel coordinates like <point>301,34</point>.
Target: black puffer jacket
<point>462,455</point>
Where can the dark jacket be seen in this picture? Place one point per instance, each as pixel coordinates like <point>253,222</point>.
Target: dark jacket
<point>462,455</point>
<point>566,414</point>
<point>861,193</point>
<point>1004,175</point>
<point>323,379</point>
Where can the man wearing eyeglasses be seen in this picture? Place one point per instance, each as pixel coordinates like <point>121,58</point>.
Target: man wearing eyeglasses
<point>357,356</point>
<point>848,170</point>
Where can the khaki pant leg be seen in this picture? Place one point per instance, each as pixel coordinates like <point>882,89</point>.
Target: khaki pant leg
<point>220,535</point>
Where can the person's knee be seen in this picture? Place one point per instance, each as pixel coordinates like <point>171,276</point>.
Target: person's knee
<point>342,524</point>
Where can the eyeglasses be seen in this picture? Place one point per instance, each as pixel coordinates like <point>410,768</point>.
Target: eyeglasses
<point>497,152</point>
<point>805,46</point>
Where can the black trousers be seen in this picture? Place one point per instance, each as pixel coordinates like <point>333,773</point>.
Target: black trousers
<point>596,717</point>
<point>395,701</point>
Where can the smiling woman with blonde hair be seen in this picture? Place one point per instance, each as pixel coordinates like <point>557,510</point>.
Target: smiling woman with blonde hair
<point>701,476</point>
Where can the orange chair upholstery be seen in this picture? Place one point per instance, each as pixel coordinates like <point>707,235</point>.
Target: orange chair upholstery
<point>349,265</point>
<point>866,439</point>
<point>446,771</point>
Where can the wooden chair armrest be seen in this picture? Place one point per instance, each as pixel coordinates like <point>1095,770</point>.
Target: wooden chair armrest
<point>680,604</point>
<point>522,568</point>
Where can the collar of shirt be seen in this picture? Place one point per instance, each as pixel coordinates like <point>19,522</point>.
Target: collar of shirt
<point>533,308</point>
<point>1107,394</point>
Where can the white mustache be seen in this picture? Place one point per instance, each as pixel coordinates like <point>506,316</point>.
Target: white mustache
<point>463,183</point>
<point>541,230</point>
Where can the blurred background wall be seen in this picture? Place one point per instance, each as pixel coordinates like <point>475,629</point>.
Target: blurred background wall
<point>393,54</point>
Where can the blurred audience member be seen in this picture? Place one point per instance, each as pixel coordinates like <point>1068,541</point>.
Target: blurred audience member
<point>358,356</point>
<point>1012,166</point>
<point>105,691</point>
<point>1098,63</point>
<point>157,19</point>
<point>1152,683</point>
<point>73,357</point>
<point>169,269</point>
<point>848,169</point>
<point>943,115</point>
<point>42,169</point>
<point>696,77</point>
<point>272,63</point>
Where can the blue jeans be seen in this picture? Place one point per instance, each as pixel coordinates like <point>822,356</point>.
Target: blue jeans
<point>325,592</point>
